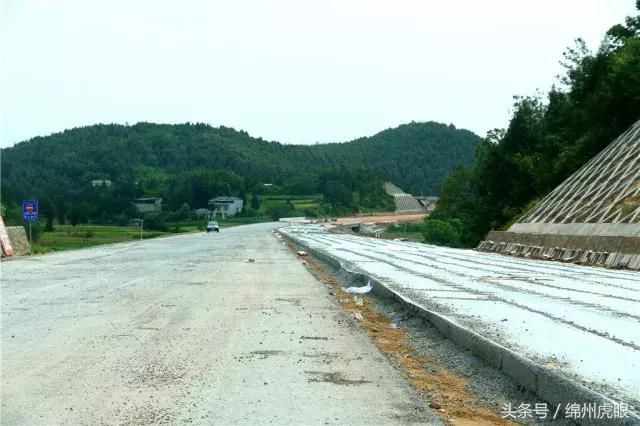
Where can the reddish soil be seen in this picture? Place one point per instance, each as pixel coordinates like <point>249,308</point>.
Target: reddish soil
<point>391,217</point>
<point>443,390</point>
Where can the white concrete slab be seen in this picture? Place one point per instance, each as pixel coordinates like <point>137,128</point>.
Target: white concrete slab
<point>582,320</point>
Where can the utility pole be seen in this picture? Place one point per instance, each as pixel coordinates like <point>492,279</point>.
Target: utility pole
<point>141,225</point>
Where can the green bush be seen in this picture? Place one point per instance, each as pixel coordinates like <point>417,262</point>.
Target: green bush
<point>282,210</point>
<point>157,222</point>
<point>146,235</point>
<point>36,230</point>
<point>310,213</point>
<point>443,232</point>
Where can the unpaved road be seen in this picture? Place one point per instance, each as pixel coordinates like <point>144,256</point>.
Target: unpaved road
<point>186,330</point>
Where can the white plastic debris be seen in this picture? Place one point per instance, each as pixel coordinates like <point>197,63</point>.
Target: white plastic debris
<point>360,290</point>
<point>358,301</point>
<point>357,316</point>
<point>301,253</point>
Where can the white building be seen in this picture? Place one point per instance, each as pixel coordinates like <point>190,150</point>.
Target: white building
<point>228,206</point>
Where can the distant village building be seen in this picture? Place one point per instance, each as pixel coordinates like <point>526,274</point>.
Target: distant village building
<point>101,182</point>
<point>228,206</point>
<point>148,205</point>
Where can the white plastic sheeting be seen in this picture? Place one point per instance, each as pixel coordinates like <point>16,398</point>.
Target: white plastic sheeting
<point>360,290</point>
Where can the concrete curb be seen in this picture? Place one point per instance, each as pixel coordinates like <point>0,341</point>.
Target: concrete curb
<point>550,385</point>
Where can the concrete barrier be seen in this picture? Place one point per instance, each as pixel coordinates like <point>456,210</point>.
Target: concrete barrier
<point>548,384</point>
<point>5,241</point>
<point>19,240</point>
<point>595,250</point>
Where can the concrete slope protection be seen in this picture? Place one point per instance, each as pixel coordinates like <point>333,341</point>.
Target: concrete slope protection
<point>225,328</point>
<point>581,321</point>
<point>593,217</point>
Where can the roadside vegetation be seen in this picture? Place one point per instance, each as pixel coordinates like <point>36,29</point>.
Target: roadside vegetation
<point>65,228</point>
<point>334,191</point>
<point>411,231</point>
<point>68,237</point>
<point>432,231</point>
<point>547,139</point>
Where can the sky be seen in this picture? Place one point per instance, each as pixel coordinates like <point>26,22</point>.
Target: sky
<point>294,71</point>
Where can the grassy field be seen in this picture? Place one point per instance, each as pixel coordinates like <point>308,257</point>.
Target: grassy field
<point>67,237</point>
<point>300,202</point>
<point>412,231</point>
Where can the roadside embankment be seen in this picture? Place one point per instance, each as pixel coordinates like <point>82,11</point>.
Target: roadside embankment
<point>512,315</point>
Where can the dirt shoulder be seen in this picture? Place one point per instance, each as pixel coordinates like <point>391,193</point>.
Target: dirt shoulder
<point>461,388</point>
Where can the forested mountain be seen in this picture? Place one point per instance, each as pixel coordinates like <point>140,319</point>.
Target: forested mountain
<point>171,160</point>
<point>546,140</point>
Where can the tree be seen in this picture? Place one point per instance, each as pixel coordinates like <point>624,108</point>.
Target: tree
<point>183,213</point>
<point>61,211</point>
<point>546,140</point>
<point>443,232</point>
<point>49,226</point>
<point>255,201</point>
<point>191,163</point>
<point>338,194</point>
<point>47,210</point>
<point>243,197</point>
<point>75,215</point>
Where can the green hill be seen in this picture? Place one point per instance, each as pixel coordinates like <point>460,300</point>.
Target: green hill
<point>416,156</point>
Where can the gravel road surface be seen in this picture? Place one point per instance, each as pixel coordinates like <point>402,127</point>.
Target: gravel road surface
<point>187,329</point>
<point>582,320</point>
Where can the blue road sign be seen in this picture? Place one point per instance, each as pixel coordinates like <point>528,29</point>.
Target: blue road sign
<point>30,210</point>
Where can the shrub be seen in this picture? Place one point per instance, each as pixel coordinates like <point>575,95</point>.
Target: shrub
<point>36,231</point>
<point>283,210</point>
<point>310,213</point>
<point>156,222</point>
<point>443,232</point>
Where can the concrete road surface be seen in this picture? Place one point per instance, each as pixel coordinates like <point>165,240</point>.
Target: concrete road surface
<point>584,321</point>
<point>187,330</point>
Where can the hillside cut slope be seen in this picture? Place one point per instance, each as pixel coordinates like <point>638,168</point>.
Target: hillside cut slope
<point>593,217</point>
